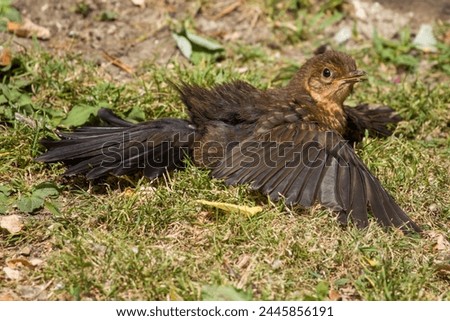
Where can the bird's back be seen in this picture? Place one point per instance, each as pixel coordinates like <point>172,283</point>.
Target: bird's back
<point>233,103</point>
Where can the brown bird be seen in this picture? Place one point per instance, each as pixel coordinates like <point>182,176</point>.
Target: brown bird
<point>293,142</point>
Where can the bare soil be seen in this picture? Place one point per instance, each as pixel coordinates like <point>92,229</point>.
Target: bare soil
<point>138,34</point>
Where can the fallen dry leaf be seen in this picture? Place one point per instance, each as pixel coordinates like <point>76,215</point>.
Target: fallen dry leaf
<point>9,296</point>
<point>243,261</point>
<point>447,38</point>
<point>246,275</point>
<point>26,250</point>
<point>11,273</point>
<point>14,263</point>
<point>442,244</point>
<point>5,56</point>
<point>247,210</point>
<point>373,262</point>
<point>28,29</point>
<point>32,263</point>
<point>32,292</point>
<point>174,296</point>
<point>139,3</point>
<point>334,295</point>
<point>35,261</point>
<point>368,261</point>
<point>11,223</point>
<point>128,192</point>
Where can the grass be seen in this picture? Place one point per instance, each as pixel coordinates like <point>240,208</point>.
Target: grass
<point>129,239</point>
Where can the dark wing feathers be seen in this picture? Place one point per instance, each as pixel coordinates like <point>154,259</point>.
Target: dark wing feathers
<point>326,171</point>
<point>309,192</point>
<point>343,193</point>
<point>110,118</point>
<point>378,120</point>
<point>327,193</point>
<point>358,204</point>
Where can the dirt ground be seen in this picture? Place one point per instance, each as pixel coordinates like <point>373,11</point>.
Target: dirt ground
<point>425,11</point>
<point>139,33</point>
<point>143,33</point>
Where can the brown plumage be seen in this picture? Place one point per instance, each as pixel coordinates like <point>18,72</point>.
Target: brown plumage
<point>293,142</point>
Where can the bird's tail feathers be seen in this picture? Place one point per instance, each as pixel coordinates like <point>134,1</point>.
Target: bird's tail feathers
<point>122,148</point>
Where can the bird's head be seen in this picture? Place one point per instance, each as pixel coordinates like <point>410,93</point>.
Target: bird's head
<point>328,77</point>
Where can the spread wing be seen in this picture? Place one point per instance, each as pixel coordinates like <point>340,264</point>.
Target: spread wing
<point>378,120</point>
<point>306,165</point>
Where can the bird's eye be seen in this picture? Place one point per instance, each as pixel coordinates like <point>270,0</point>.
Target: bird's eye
<point>326,73</point>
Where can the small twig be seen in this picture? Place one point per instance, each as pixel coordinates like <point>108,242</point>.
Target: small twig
<point>116,62</point>
<point>227,10</point>
<point>45,287</point>
<point>25,120</point>
<point>255,19</point>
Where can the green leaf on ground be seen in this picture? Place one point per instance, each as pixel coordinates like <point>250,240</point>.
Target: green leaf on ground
<point>79,115</point>
<point>29,203</point>
<point>224,293</point>
<point>203,42</point>
<point>45,189</point>
<point>183,44</point>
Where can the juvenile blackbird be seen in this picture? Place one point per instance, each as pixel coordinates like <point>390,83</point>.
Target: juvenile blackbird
<point>293,142</point>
